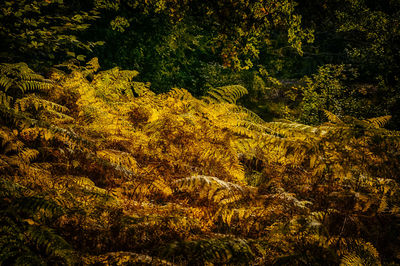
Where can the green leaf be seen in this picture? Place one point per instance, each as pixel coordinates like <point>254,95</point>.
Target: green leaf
<point>81,57</point>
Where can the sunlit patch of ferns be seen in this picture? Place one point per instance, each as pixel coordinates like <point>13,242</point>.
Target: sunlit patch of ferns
<point>123,174</point>
<point>211,189</point>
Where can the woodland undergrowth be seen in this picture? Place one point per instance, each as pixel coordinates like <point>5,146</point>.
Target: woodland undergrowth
<point>98,169</point>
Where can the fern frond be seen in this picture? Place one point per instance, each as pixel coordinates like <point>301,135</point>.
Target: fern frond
<point>250,115</point>
<point>36,207</point>
<point>21,236</point>
<point>5,82</point>
<point>351,259</point>
<point>291,129</point>
<point>378,122</point>
<point>359,252</point>
<point>93,65</point>
<point>19,77</point>
<point>117,82</point>
<point>215,251</point>
<point>332,117</point>
<point>124,258</point>
<point>28,155</point>
<point>211,188</point>
<point>180,94</point>
<point>16,119</point>
<point>142,89</point>
<point>54,246</point>
<point>149,188</point>
<point>119,158</point>
<point>162,186</point>
<point>38,103</point>
<point>228,94</point>
<point>32,85</point>
<point>246,219</point>
<point>5,100</point>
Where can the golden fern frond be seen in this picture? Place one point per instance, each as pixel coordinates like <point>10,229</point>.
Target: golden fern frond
<point>224,251</point>
<point>353,250</point>
<point>229,94</point>
<point>19,69</point>
<point>211,188</point>
<point>360,253</point>
<point>291,199</point>
<point>179,94</point>
<point>68,137</point>
<point>250,115</point>
<point>111,84</point>
<point>93,65</point>
<point>383,204</point>
<point>162,187</point>
<point>28,155</point>
<point>251,129</point>
<point>291,129</point>
<point>6,82</point>
<point>332,117</point>
<point>228,214</point>
<point>16,119</point>
<point>119,158</point>
<point>5,100</point>
<point>246,148</point>
<point>81,182</point>
<point>33,85</point>
<point>124,258</point>
<point>141,89</point>
<point>245,129</point>
<point>20,77</point>
<point>149,188</point>
<point>378,122</point>
<point>50,109</point>
<point>36,102</point>
<point>352,259</point>
<point>248,218</point>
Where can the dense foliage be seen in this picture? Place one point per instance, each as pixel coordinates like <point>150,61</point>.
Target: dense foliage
<point>249,132</point>
<point>105,170</point>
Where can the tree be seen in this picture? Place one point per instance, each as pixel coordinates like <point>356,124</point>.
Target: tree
<point>364,34</point>
<point>44,32</point>
<point>170,42</point>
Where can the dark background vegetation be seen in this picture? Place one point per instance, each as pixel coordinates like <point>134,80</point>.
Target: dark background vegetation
<point>199,45</point>
<point>304,61</point>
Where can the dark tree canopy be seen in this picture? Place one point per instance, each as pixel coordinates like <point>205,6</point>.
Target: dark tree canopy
<point>199,132</point>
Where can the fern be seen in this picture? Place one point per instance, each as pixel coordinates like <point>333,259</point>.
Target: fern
<point>378,122</point>
<point>5,100</point>
<point>22,240</point>
<point>17,79</point>
<point>228,94</point>
<point>247,221</point>
<point>119,158</point>
<point>359,252</point>
<point>150,189</point>
<point>38,103</point>
<point>107,174</point>
<point>332,117</point>
<point>212,189</point>
<point>129,258</point>
<point>180,94</point>
<point>215,251</point>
